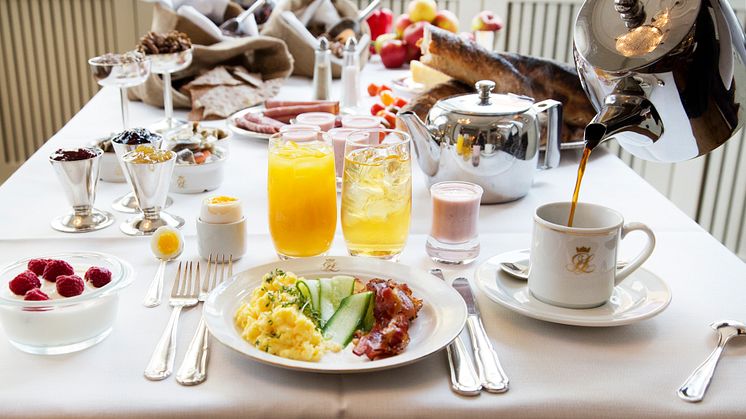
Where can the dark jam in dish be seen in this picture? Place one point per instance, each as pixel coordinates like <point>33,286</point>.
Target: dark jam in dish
<point>136,136</point>
<point>73,155</point>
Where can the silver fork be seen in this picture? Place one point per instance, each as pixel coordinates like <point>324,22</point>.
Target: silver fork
<point>193,369</point>
<point>183,294</point>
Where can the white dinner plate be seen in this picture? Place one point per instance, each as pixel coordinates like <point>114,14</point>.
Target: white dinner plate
<point>641,296</point>
<point>244,132</point>
<point>440,320</point>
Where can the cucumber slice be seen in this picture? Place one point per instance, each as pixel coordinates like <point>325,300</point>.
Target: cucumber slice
<point>342,325</point>
<point>369,320</point>
<point>313,292</point>
<point>332,292</point>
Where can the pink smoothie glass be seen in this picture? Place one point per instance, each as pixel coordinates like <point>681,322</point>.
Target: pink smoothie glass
<point>454,235</point>
<point>323,120</point>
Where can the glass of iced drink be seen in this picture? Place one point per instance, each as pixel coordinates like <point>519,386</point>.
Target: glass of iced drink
<point>302,193</point>
<point>454,236</point>
<point>377,193</point>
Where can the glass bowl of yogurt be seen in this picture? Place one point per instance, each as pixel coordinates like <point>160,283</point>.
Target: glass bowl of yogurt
<point>63,324</point>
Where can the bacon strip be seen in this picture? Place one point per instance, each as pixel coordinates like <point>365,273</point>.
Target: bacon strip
<point>394,310</point>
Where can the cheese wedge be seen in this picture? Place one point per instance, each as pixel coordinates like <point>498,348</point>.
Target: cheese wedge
<point>426,75</point>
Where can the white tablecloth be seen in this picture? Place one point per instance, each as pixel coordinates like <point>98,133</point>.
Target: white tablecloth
<point>555,370</point>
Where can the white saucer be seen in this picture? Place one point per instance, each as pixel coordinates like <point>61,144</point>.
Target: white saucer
<point>641,296</point>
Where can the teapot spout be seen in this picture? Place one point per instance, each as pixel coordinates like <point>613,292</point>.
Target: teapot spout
<point>426,143</point>
<point>624,113</point>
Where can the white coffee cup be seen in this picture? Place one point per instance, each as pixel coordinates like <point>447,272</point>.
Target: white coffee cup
<point>575,266</point>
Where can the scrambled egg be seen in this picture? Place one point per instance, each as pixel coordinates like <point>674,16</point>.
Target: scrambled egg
<point>273,321</point>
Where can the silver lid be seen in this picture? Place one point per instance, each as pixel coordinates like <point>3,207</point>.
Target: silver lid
<point>621,35</point>
<point>486,103</point>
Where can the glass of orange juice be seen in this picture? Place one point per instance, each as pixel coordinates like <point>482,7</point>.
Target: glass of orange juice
<point>302,193</point>
<point>377,193</point>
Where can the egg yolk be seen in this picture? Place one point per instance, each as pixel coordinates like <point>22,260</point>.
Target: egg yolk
<point>222,200</point>
<point>168,243</point>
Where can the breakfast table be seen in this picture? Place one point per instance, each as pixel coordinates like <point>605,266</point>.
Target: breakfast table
<point>555,370</point>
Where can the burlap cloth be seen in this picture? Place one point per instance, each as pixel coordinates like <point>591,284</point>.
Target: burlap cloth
<point>265,55</point>
<point>302,53</point>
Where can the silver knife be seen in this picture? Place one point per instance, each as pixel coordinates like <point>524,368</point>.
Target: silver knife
<point>489,369</point>
<point>464,378</point>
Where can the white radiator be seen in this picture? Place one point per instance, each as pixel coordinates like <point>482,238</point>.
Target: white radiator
<point>44,75</point>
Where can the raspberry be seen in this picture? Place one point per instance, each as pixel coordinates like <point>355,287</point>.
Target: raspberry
<point>23,282</point>
<point>56,268</point>
<point>36,295</point>
<point>37,265</point>
<point>98,276</point>
<point>70,285</point>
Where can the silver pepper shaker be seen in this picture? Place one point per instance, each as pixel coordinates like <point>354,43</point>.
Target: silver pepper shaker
<point>322,71</point>
<point>350,77</point>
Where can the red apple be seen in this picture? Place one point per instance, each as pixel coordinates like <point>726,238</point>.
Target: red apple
<point>401,23</point>
<point>380,22</point>
<point>393,53</point>
<point>381,39</point>
<point>412,36</point>
<point>486,21</point>
<point>446,20</point>
<point>422,10</point>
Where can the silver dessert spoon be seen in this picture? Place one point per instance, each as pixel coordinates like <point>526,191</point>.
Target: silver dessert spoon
<point>155,290</point>
<point>694,388</point>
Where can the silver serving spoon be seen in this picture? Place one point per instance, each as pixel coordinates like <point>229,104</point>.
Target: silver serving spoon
<point>354,24</point>
<point>694,388</point>
<point>232,26</point>
<point>520,270</point>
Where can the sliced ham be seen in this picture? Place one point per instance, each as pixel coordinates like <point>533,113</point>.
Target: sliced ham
<point>255,127</point>
<point>263,120</point>
<point>274,103</point>
<point>293,111</point>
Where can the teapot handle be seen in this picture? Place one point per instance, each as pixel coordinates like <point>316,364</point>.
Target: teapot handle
<point>553,109</point>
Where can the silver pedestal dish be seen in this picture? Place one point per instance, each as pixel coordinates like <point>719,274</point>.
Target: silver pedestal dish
<point>79,179</point>
<point>128,203</point>
<point>150,183</point>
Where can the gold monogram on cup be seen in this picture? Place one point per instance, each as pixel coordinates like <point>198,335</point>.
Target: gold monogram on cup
<point>580,263</point>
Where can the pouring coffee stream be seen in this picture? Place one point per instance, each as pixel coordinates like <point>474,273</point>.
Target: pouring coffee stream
<point>593,135</point>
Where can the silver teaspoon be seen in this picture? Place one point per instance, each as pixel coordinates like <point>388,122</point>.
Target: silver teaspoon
<point>520,270</point>
<point>694,388</point>
<point>155,290</point>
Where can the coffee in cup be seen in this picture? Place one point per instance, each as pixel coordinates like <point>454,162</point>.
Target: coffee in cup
<point>575,267</point>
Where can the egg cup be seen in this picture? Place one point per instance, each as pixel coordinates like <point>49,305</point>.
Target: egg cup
<point>221,239</point>
<point>150,182</point>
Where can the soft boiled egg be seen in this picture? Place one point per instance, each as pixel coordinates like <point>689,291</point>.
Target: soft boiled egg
<point>167,243</point>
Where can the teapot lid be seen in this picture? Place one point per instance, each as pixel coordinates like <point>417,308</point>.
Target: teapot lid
<point>486,103</point>
<point>619,35</point>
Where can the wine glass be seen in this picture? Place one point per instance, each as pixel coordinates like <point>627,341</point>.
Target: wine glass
<point>165,65</point>
<point>121,70</point>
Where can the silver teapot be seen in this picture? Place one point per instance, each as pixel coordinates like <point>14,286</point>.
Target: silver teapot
<point>667,77</point>
<point>486,138</point>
